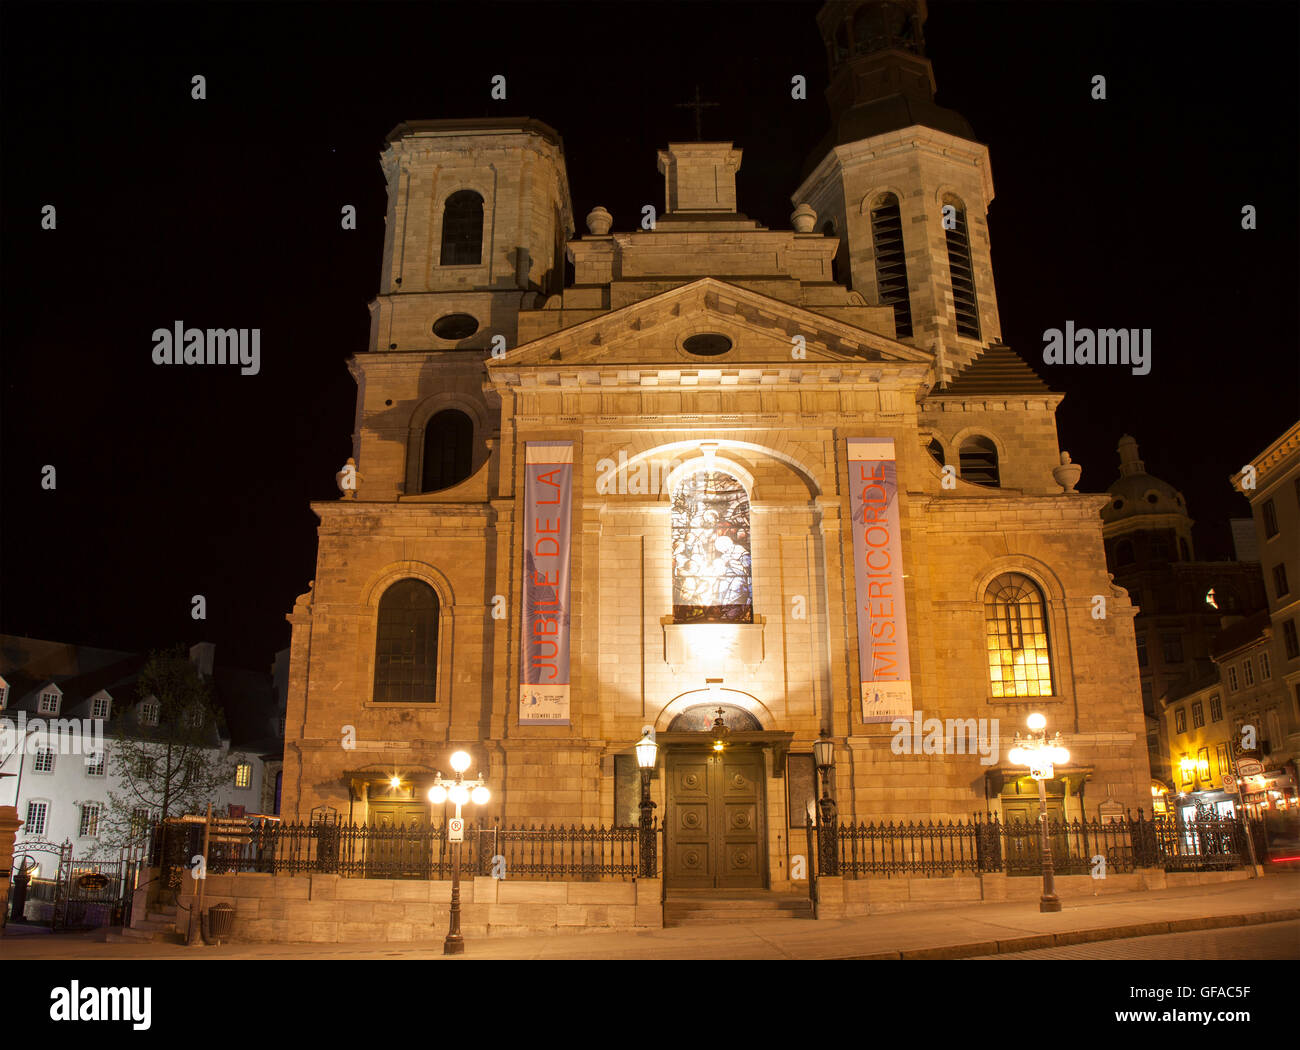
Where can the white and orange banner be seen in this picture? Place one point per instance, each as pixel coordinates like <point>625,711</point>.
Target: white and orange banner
<point>883,659</point>
<point>548,524</point>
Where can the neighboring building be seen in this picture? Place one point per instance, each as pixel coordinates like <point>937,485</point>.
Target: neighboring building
<point>1275,505</point>
<point>713,391</point>
<point>1181,601</point>
<point>1198,738</point>
<point>61,792</point>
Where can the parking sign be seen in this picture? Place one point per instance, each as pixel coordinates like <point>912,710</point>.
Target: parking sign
<point>456,830</point>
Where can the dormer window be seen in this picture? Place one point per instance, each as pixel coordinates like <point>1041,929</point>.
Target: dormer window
<point>99,707</point>
<point>49,703</point>
<point>149,713</point>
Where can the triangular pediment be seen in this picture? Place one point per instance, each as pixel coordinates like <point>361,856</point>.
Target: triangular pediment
<point>764,332</point>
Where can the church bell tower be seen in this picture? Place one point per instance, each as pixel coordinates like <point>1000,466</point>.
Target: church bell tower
<point>903,183</point>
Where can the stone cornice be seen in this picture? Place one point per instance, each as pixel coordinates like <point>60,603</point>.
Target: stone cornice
<point>990,403</point>
<point>805,375</point>
<point>890,143</point>
<point>1268,461</point>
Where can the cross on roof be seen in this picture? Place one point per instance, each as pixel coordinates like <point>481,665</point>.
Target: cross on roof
<point>698,105</point>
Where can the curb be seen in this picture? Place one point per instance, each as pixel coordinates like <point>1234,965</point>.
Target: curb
<point>1068,937</point>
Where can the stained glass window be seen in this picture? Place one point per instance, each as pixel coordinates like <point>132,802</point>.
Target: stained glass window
<point>711,563</point>
<point>1020,662</point>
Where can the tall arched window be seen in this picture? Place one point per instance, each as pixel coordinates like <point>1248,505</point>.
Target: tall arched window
<point>891,263</point>
<point>711,551</point>
<point>462,229</point>
<point>448,450</point>
<point>406,644</point>
<point>1015,627</point>
<point>978,459</point>
<point>962,270</point>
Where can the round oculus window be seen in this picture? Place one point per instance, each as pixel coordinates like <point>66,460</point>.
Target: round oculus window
<point>709,344</point>
<point>455,326</point>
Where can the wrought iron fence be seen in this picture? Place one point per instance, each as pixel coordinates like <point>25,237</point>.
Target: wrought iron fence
<point>581,853</point>
<point>986,845</point>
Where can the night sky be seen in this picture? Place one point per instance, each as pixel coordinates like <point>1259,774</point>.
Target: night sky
<point>225,213</point>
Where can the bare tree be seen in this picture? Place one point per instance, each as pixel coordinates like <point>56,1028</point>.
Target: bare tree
<point>168,756</point>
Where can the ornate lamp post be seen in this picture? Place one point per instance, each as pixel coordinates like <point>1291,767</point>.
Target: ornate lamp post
<point>461,792</point>
<point>827,844</point>
<point>1041,755</point>
<point>647,754</point>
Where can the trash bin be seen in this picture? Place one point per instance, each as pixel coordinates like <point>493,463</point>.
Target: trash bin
<point>221,922</point>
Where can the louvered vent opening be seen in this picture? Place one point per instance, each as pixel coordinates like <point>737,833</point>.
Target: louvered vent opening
<point>891,263</point>
<point>979,462</point>
<point>963,277</point>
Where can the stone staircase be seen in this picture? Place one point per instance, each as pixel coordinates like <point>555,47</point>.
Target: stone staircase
<point>160,925</point>
<point>715,907</point>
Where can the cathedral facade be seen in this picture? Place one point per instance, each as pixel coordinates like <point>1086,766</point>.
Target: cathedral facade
<point>789,481</point>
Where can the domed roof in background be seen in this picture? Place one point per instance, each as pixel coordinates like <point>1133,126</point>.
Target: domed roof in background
<point>1137,492</point>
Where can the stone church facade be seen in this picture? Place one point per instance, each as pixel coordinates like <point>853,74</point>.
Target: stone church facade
<point>706,383</point>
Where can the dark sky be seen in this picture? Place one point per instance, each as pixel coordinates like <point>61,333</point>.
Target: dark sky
<point>225,213</point>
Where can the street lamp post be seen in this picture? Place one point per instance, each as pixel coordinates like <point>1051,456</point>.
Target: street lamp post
<point>1041,754</point>
<point>647,754</point>
<point>461,792</point>
<point>827,846</point>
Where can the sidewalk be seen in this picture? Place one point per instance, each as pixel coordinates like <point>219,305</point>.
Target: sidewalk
<point>969,930</point>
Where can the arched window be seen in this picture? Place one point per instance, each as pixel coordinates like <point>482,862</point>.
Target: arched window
<point>979,461</point>
<point>891,263</point>
<point>1124,552</point>
<point>870,33</point>
<point>711,552</point>
<point>462,229</point>
<point>963,272</point>
<point>448,450</point>
<point>1015,627</point>
<point>406,644</point>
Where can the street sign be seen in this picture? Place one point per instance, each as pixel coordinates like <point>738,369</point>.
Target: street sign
<point>93,880</point>
<point>1249,768</point>
<point>456,830</point>
<point>1229,783</point>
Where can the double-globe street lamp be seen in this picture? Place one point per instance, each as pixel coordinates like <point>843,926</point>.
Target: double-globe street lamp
<point>1041,754</point>
<point>461,792</point>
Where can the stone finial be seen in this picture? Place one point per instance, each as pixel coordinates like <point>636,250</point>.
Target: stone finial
<point>1129,463</point>
<point>804,218</point>
<point>599,221</point>
<point>1068,473</point>
<point>349,479</point>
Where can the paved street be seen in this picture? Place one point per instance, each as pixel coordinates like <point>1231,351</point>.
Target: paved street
<point>1276,940</point>
<point>964,931</point>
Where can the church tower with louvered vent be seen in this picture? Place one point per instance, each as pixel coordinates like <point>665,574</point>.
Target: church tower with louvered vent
<point>903,183</point>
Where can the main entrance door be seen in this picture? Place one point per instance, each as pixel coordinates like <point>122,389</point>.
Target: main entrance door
<point>715,815</point>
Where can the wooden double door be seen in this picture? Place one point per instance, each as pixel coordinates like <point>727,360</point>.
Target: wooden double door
<point>716,835</point>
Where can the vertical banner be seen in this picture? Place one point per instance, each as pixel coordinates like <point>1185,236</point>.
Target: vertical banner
<point>544,643</point>
<point>878,570</point>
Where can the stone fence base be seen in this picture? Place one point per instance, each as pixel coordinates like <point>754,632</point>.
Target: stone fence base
<point>839,897</point>
<point>330,909</point>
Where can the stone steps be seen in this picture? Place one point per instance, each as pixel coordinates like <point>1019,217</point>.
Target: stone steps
<point>712,909</point>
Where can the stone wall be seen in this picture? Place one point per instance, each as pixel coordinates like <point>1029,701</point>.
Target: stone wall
<point>330,909</point>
